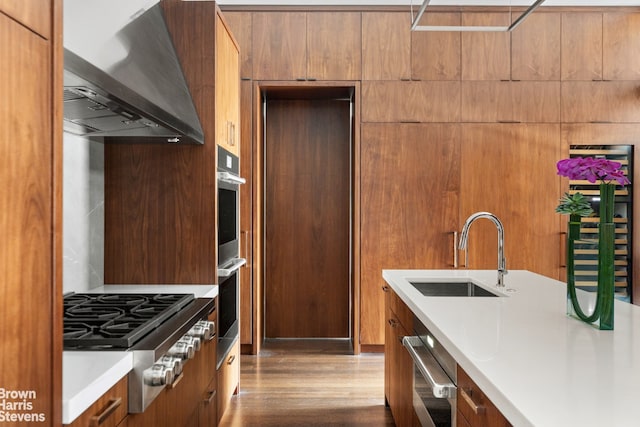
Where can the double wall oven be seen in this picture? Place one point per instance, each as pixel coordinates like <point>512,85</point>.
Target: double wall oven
<point>229,261</point>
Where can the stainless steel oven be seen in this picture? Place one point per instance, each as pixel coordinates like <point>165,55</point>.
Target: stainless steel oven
<point>229,261</point>
<point>434,385</point>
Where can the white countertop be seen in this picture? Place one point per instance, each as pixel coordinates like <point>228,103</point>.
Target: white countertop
<point>538,366</point>
<point>87,375</point>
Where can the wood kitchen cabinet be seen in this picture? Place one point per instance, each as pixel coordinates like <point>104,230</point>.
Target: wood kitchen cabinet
<point>581,46</point>
<point>240,24</point>
<point>606,101</point>
<point>279,45</point>
<point>227,75</point>
<point>386,46</point>
<point>398,365</point>
<point>427,101</point>
<point>530,52</point>
<point>306,46</point>
<point>409,207</point>
<point>31,205</point>
<point>436,55</point>
<point>485,54</point>
<point>474,407</point>
<point>109,410</point>
<point>510,101</point>
<point>621,47</point>
<point>502,175</point>
<point>228,378</point>
<point>535,48</point>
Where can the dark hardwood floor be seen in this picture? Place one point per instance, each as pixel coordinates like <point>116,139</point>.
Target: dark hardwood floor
<point>309,383</point>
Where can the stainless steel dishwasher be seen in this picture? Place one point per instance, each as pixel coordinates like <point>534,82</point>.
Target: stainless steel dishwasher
<point>434,385</point>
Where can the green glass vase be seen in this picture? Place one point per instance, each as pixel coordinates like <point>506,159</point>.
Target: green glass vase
<point>602,314</point>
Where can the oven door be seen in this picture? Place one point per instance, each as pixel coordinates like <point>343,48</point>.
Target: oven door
<point>434,394</point>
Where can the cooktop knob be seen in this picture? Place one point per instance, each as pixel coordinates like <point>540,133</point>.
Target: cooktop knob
<point>193,341</point>
<point>210,326</point>
<point>199,331</point>
<point>182,349</point>
<point>158,375</point>
<point>172,362</point>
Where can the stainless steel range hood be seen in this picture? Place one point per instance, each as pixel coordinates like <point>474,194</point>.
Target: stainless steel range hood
<point>122,76</point>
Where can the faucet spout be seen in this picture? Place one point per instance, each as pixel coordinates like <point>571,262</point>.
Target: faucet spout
<point>464,241</point>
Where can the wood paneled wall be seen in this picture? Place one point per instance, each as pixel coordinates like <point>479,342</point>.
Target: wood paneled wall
<point>563,67</point>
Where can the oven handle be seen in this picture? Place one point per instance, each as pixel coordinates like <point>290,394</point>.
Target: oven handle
<point>230,178</point>
<point>441,385</point>
<point>226,272</point>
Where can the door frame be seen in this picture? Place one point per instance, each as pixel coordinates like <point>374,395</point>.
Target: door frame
<point>258,141</point>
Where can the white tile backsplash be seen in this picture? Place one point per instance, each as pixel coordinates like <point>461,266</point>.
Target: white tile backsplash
<point>83,214</point>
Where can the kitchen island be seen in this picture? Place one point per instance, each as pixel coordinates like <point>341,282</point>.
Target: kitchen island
<point>538,366</point>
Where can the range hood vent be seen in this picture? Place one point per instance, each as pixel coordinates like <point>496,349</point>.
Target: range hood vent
<point>122,77</point>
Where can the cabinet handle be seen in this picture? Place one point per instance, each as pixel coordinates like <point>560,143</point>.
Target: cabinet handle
<point>385,288</point>
<point>246,248</point>
<point>100,418</point>
<point>455,249</point>
<point>477,409</point>
<point>393,323</point>
<point>210,396</point>
<point>175,382</point>
<point>563,249</point>
<point>231,359</point>
<point>233,134</point>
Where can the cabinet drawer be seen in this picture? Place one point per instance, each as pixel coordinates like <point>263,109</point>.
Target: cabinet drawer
<point>474,405</point>
<point>399,309</point>
<point>208,406</point>
<point>228,378</point>
<point>109,410</point>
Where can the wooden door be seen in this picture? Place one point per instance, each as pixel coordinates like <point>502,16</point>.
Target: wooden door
<point>279,45</point>
<point>510,171</point>
<point>410,180</point>
<point>307,211</point>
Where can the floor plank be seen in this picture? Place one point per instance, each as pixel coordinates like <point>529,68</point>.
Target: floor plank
<point>309,383</point>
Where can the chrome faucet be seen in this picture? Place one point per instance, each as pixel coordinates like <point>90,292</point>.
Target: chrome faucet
<point>464,238</point>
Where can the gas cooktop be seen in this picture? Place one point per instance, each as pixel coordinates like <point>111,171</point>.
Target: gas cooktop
<point>116,321</point>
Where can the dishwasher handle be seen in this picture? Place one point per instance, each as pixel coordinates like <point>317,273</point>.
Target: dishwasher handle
<point>440,383</point>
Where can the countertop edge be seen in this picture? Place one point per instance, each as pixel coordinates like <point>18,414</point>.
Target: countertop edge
<point>119,365</point>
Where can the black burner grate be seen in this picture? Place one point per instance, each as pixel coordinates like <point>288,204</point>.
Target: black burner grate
<point>116,321</point>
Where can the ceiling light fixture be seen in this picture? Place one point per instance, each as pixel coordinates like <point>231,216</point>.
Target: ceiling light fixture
<point>509,28</point>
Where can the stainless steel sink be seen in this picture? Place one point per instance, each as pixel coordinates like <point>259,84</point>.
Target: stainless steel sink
<point>452,289</point>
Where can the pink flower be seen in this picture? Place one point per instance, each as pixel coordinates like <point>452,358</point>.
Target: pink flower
<point>592,170</point>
